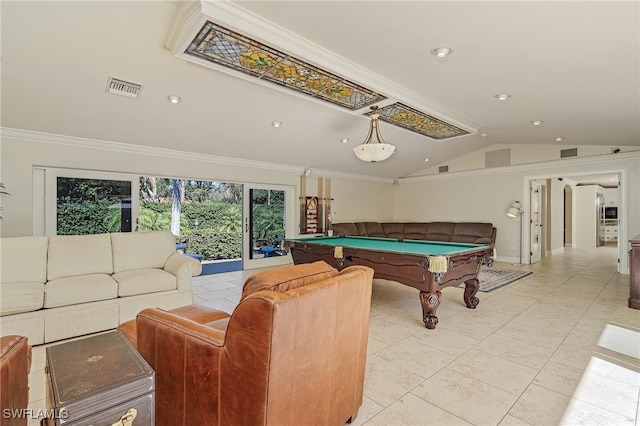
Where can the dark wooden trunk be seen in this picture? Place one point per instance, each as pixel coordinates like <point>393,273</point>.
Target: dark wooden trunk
<point>97,380</point>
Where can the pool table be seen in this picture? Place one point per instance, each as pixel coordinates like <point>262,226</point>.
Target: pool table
<point>429,266</point>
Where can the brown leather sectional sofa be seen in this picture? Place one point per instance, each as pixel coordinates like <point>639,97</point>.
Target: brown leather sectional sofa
<point>457,232</point>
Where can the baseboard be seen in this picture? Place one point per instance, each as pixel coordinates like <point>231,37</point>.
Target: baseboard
<point>514,260</point>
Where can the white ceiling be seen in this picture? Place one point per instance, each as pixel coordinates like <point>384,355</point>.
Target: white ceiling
<point>575,65</point>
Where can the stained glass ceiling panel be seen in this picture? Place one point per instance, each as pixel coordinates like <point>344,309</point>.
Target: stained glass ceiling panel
<point>418,122</point>
<point>227,48</point>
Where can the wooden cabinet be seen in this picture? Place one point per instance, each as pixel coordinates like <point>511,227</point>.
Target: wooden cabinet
<point>634,273</point>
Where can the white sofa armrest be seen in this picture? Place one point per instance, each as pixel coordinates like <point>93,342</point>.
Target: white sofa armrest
<point>183,267</point>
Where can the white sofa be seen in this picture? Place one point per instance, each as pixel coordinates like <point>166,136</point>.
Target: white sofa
<point>57,287</point>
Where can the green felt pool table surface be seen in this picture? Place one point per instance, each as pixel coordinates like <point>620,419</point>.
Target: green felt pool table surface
<point>427,248</point>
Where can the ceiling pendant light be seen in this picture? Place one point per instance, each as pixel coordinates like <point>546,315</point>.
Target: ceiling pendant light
<point>371,150</point>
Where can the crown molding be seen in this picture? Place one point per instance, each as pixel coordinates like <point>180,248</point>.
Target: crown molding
<point>77,142</point>
<point>538,167</point>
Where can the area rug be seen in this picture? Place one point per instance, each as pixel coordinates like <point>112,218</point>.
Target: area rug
<point>492,278</point>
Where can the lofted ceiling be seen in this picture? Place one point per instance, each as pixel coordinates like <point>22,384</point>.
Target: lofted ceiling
<point>574,65</point>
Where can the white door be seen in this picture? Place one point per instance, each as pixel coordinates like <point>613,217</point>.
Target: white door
<point>535,249</point>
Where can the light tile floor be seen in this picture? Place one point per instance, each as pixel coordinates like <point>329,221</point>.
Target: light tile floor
<point>557,347</point>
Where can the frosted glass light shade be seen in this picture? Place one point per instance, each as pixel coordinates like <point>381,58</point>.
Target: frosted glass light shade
<point>515,210</point>
<point>373,152</point>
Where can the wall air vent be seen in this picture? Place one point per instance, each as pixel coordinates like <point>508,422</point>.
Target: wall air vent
<point>443,169</point>
<point>123,88</point>
<point>571,152</point>
<point>498,158</point>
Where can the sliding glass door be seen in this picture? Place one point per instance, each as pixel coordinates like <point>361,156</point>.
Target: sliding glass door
<point>268,220</point>
<point>242,224</point>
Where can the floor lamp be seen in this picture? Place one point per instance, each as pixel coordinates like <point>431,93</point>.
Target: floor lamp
<point>516,211</point>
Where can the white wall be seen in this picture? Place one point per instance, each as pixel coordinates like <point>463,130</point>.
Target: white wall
<point>485,195</point>
<point>521,154</point>
<point>586,215</point>
<point>354,197</point>
<point>465,197</point>
<point>478,195</point>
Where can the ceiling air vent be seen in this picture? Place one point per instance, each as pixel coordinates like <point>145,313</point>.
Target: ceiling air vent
<point>123,88</point>
<point>443,169</point>
<point>571,152</point>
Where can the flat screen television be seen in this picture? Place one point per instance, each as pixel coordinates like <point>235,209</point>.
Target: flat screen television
<point>610,212</point>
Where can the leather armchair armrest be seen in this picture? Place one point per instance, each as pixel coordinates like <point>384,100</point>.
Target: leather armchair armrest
<point>150,320</point>
<point>186,357</point>
<point>15,363</point>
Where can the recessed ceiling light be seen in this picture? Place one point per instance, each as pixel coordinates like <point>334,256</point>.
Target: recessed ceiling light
<point>559,138</point>
<point>483,135</point>
<point>502,96</point>
<point>441,52</point>
<point>174,99</point>
<point>537,122</point>
<point>276,124</point>
<point>427,159</point>
<point>344,140</point>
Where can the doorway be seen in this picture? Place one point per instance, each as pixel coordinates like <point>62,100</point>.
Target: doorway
<point>562,212</point>
<point>537,202</point>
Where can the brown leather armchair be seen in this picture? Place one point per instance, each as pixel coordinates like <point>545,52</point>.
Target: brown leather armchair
<point>292,353</point>
<point>15,363</point>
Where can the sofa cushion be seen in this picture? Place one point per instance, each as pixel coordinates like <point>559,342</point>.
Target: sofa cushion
<point>82,289</point>
<point>471,232</point>
<point>23,259</point>
<point>143,281</point>
<point>393,230</point>
<point>284,279</point>
<point>374,229</point>
<point>439,231</point>
<point>73,255</point>
<point>347,228</point>
<point>415,230</point>
<point>21,297</point>
<point>141,250</point>
<point>362,230</point>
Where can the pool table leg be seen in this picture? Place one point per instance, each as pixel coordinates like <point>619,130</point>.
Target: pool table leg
<point>471,288</point>
<point>430,303</point>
